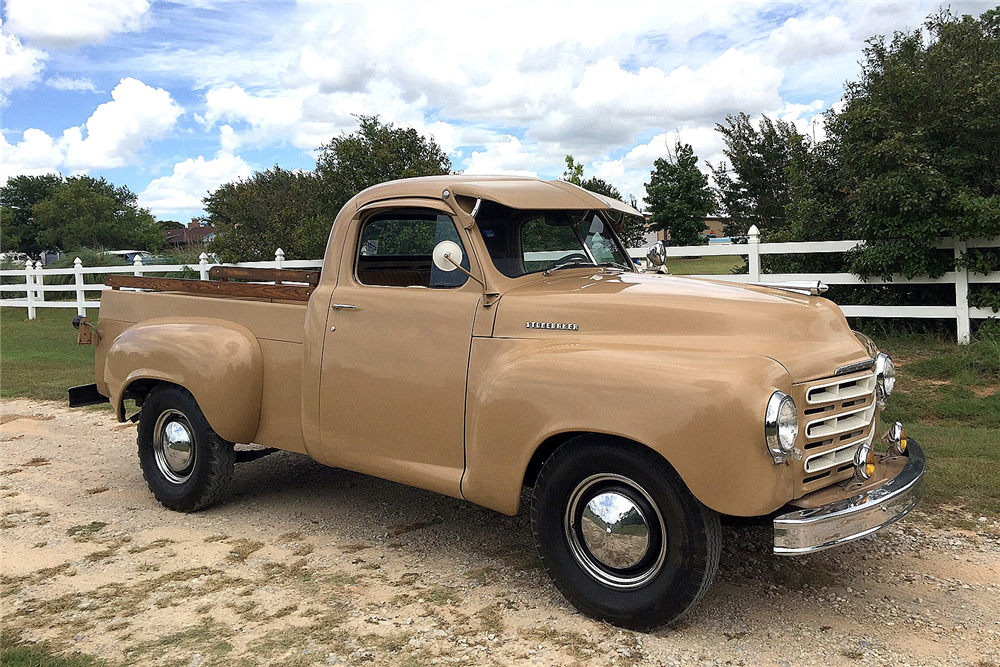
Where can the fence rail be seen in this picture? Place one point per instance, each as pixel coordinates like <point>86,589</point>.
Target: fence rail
<point>35,289</point>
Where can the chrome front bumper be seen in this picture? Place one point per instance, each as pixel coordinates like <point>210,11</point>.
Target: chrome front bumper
<point>809,530</point>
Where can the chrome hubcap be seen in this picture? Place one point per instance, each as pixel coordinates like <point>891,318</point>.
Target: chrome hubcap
<point>615,531</point>
<point>173,446</point>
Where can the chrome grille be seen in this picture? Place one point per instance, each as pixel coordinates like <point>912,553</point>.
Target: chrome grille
<point>837,416</point>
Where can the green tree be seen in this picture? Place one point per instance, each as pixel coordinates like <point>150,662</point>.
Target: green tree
<point>752,187</point>
<point>574,171</point>
<point>294,210</point>
<point>377,152</point>
<point>272,209</point>
<point>917,144</point>
<point>678,196</point>
<point>89,212</point>
<point>17,218</point>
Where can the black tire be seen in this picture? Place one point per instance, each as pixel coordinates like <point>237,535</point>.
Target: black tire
<point>661,576</point>
<point>183,478</point>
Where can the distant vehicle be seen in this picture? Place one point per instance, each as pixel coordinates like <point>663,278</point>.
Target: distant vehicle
<point>18,257</point>
<point>131,255</point>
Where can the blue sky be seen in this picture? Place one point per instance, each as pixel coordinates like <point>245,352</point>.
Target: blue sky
<point>175,98</point>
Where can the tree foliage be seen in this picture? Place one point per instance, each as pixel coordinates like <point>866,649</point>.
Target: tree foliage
<point>375,153</point>
<point>295,210</point>
<point>917,144</point>
<point>272,209</point>
<point>752,186</point>
<point>52,213</point>
<point>678,197</point>
<point>17,217</point>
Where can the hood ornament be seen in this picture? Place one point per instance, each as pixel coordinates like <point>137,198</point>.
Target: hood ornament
<point>808,287</point>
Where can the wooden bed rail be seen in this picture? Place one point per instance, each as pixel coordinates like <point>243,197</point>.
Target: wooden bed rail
<point>225,273</point>
<point>218,288</point>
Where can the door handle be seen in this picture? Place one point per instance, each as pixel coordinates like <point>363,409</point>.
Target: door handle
<point>343,306</point>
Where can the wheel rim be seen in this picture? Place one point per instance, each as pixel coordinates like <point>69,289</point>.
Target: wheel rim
<point>173,446</point>
<point>615,531</point>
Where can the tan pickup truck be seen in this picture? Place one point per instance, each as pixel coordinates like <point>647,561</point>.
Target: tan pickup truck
<point>477,335</point>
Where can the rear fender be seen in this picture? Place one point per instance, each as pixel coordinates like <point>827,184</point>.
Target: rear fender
<point>219,362</point>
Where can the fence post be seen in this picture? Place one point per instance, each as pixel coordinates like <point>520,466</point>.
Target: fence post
<point>203,265</point>
<point>137,266</point>
<point>29,289</point>
<point>78,278</point>
<point>279,258</point>
<point>753,257</point>
<point>39,282</point>
<point>962,295</point>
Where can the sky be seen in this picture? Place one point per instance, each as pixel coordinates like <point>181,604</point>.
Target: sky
<point>174,99</point>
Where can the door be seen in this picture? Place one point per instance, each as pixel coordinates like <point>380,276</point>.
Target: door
<point>396,353</point>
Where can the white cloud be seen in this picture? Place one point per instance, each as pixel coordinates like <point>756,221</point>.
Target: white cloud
<point>801,39</point>
<point>20,66</point>
<point>118,130</point>
<point>271,120</point>
<point>67,24</point>
<point>192,179</point>
<point>34,155</point>
<point>506,156</point>
<point>81,85</point>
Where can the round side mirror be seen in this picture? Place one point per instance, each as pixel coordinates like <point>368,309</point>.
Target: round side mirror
<point>445,251</point>
<point>657,254</point>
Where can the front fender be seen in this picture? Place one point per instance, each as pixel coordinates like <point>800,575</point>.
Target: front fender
<point>219,362</point>
<point>701,410</point>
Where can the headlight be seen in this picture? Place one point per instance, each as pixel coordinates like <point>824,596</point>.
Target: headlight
<point>781,426</point>
<point>885,374</point>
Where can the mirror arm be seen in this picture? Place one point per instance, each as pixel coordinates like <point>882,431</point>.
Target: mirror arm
<point>461,268</point>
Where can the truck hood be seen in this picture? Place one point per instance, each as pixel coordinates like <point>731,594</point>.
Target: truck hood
<point>807,335</point>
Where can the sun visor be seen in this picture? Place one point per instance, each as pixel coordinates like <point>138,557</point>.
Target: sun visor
<point>541,195</point>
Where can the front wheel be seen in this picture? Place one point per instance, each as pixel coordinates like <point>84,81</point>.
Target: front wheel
<point>185,464</point>
<point>620,534</point>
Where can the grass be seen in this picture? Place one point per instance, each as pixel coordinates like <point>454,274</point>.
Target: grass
<point>948,397</point>
<point>41,358</point>
<point>709,266</point>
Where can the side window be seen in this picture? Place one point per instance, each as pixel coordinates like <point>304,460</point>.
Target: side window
<point>394,250</point>
<point>545,242</point>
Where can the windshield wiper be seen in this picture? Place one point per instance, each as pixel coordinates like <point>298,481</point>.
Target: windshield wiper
<point>563,265</point>
<point>616,265</point>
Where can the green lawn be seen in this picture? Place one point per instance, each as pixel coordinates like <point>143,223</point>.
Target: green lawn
<point>947,396</point>
<point>40,358</point>
<point>710,266</point>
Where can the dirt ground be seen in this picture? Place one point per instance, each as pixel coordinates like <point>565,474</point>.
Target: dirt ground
<point>308,565</point>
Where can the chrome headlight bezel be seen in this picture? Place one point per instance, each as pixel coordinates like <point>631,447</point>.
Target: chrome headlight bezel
<point>781,426</point>
<point>885,377</point>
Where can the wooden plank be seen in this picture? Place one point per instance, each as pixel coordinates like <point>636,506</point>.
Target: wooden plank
<point>252,290</point>
<point>310,277</point>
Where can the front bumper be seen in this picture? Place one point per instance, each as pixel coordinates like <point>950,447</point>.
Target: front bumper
<point>817,528</point>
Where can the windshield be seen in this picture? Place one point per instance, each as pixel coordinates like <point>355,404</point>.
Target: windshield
<point>523,242</point>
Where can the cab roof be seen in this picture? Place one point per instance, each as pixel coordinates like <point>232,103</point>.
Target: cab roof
<point>519,192</point>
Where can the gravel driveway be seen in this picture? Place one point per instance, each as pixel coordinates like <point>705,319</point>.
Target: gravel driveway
<point>308,565</point>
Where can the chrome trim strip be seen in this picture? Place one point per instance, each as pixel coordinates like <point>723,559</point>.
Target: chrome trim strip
<point>854,368</point>
<point>818,528</point>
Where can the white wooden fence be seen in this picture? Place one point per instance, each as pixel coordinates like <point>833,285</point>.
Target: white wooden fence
<point>35,290</point>
<point>961,312</point>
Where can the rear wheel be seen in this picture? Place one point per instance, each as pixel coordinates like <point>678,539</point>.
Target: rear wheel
<point>620,535</point>
<point>185,464</point>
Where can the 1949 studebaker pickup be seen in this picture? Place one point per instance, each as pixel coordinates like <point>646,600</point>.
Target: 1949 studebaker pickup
<point>476,335</point>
